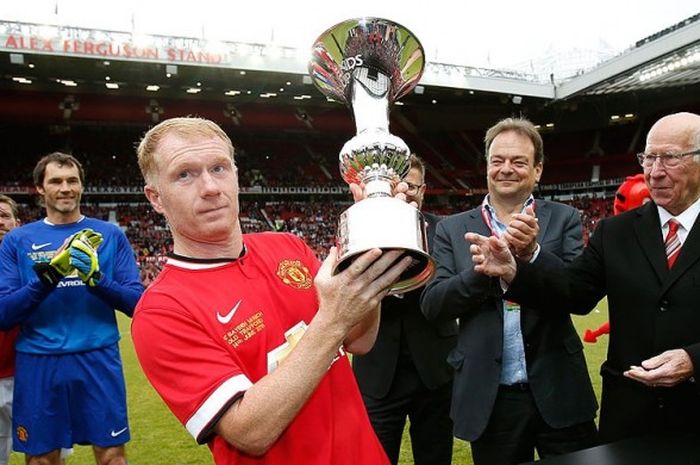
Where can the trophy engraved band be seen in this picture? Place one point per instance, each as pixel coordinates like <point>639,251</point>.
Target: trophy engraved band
<point>367,64</point>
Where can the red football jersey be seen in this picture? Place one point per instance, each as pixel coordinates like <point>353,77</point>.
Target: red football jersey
<point>206,331</point>
<point>7,352</point>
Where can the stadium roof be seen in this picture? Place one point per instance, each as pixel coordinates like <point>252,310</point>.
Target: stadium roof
<point>76,60</point>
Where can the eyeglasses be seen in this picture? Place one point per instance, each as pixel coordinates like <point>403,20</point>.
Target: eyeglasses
<point>413,188</point>
<point>668,160</point>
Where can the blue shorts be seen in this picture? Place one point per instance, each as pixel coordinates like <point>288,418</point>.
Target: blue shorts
<point>67,399</point>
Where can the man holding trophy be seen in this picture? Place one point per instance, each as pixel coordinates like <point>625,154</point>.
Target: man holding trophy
<point>245,336</point>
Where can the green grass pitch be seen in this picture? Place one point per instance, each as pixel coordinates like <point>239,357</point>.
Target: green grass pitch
<point>157,438</point>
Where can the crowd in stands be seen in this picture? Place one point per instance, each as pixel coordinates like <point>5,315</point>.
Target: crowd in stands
<point>276,159</point>
<point>315,221</point>
<point>279,160</point>
<point>592,210</point>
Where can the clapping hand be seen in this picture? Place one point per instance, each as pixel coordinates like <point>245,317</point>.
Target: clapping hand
<point>83,256</point>
<point>67,259</point>
<point>521,234</point>
<point>491,256</point>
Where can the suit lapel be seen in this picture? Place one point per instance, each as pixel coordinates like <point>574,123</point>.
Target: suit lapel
<point>648,231</point>
<point>530,320</point>
<point>689,254</point>
<point>474,222</point>
<point>544,214</point>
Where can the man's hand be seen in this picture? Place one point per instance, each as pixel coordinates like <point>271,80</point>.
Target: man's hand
<point>398,189</point>
<point>521,234</point>
<point>491,256</point>
<point>350,296</point>
<point>83,256</point>
<point>664,370</point>
<point>59,267</point>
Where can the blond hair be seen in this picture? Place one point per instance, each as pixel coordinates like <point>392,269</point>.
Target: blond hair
<point>12,204</point>
<point>186,127</point>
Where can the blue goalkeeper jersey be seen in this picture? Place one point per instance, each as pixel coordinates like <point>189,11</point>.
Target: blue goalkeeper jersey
<point>72,317</point>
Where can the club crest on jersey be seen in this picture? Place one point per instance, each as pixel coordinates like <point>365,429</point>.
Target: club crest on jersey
<point>22,433</point>
<point>294,273</point>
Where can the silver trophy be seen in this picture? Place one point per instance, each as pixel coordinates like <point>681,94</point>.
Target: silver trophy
<point>368,64</point>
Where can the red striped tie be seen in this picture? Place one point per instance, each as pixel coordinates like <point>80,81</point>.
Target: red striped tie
<point>672,242</point>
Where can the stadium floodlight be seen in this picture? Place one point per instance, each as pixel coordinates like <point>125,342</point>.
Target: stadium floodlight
<point>517,99</point>
<point>194,90</point>
<point>111,85</point>
<point>22,80</point>
<point>153,88</point>
<point>17,58</point>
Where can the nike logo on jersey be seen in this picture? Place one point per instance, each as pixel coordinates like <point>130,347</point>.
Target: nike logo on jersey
<point>40,246</point>
<point>114,434</point>
<point>223,319</point>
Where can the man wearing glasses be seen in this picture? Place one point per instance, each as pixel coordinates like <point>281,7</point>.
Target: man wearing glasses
<point>406,373</point>
<point>647,262</point>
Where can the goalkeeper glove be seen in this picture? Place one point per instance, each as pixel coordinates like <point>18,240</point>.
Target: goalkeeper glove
<point>59,267</point>
<point>83,256</point>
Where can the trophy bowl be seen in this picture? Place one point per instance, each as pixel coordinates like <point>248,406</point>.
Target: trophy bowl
<point>367,64</point>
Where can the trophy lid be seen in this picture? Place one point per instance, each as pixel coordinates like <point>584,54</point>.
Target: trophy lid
<point>378,44</point>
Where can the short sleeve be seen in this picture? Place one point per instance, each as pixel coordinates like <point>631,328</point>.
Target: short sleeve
<point>193,373</point>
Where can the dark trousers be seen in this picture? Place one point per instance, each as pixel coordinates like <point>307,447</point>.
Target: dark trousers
<point>629,409</point>
<point>428,412</point>
<point>516,429</point>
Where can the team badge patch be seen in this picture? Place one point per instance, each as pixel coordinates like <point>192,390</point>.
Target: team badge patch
<point>294,273</point>
<point>22,433</point>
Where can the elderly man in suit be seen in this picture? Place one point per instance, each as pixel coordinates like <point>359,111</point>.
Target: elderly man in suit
<point>647,262</point>
<point>406,373</point>
<point>521,381</point>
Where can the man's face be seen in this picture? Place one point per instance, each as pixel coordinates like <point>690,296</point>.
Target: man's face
<point>61,188</point>
<point>416,187</point>
<point>7,220</point>
<point>674,189</point>
<point>195,187</point>
<point>512,172</point>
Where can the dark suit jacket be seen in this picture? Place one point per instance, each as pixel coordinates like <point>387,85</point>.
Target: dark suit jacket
<point>427,342</point>
<point>651,308</point>
<point>557,371</point>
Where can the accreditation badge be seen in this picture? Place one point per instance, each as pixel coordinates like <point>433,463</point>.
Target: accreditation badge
<point>512,306</point>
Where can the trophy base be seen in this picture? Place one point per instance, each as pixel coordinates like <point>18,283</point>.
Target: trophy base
<point>389,224</point>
